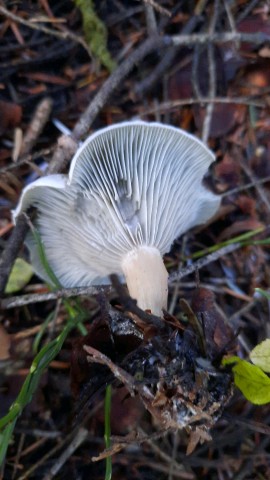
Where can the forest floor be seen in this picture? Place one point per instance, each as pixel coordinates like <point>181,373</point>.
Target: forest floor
<point>202,66</point>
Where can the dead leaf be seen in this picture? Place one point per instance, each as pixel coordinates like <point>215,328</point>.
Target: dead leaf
<point>218,334</point>
<point>5,343</point>
<point>224,118</point>
<point>228,172</point>
<point>10,115</point>
<point>197,436</point>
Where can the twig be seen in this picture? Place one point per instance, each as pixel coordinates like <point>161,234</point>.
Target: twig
<point>56,448</point>
<point>203,100</point>
<point>155,6</point>
<point>37,124</point>
<point>65,149</point>
<point>151,22</point>
<point>18,455</point>
<point>74,444</point>
<point>21,300</point>
<point>115,79</point>
<point>212,257</point>
<point>154,76</point>
<point>247,186</point>
<point>245,309</point>
<point>250,5</point>
<point>167,58</point>
<point>167,458</point>
<point>64,35</point>
<point>220,38</point>
<point>230,16</point>
<point>212,77</point>
<point>26,159</point>
<point>194,72</point>
<point>258,187</point>
<point>95,356</point>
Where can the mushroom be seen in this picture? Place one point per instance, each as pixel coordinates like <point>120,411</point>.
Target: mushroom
<point>132,189</point>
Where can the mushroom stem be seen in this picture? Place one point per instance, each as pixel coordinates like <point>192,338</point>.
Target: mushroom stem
<point>147,278</point>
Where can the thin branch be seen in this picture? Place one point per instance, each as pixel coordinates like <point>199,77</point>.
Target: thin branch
<point>115,79</point>
<point>167,59</point>
<point>81,436</point>
<point>164,106</point>
<point>64,35</point>
<point>37,124</point>
<point>212,76</point>
<point>250,6</point>
<point>253,184</point>
<point>155,6</point>
<point>202,262</point>
<point>21,300</point>
<point>259,188</point>
<point>151,21</point>
<point>219,38</point>
<point>27,160</point>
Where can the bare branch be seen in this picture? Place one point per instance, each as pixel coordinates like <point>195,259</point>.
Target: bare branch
<point>18,301</point>
<point>64,35</point>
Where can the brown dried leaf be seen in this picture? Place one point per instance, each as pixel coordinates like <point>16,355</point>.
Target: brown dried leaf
<point>5,343</point>
<point>224,118</point>
<point>10,115</point>
<point>197,436</point>
<point>228,172</point>
<point>218,334</point>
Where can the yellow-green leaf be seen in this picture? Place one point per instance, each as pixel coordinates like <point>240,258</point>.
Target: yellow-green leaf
<point>230,360</point>
<point>260,355</point>
<point>20,275</point>
<point>251,380</point>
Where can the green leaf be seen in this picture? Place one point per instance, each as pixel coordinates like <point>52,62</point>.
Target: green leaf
<point>230,360</point>
<point>260,355</point>
<point>251,380</point>
<point>20,275</point>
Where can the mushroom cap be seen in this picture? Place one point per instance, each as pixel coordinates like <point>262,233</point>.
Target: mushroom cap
<point>129,185</point>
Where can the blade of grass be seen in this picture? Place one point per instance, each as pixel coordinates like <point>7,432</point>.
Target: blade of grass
<point>107,433</point>
<point>239,239</point>
<point>39,365</point>
<point>41,332</point>
<point>263,293</point>
<point>53,278</point>
<point>43,258</point>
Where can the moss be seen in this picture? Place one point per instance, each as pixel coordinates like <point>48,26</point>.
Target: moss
<point>95,33</point>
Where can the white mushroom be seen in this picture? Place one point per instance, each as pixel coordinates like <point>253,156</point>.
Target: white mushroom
<point>132,189</point>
